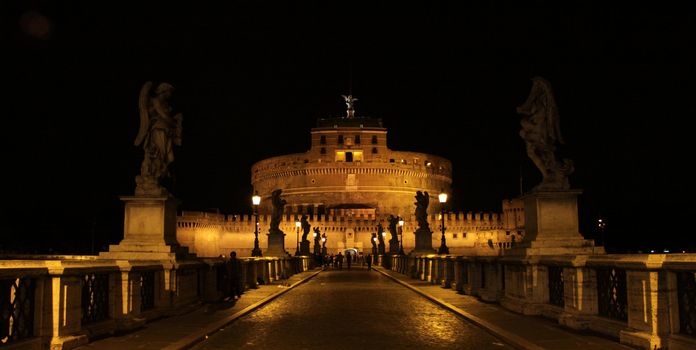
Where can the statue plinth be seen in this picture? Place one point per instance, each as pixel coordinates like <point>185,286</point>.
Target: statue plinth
<point>276,244</point>
<point>149,230</point>
<point>394,246</point>
<point>424,241</point>
<point>551,225</point>
<point>304,248</point>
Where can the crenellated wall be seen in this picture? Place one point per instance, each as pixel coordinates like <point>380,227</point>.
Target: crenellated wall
<point>210,235</point>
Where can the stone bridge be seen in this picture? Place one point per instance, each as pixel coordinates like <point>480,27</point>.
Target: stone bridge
<point>586,301</point>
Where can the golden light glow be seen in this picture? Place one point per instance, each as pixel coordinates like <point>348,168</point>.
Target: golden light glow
<point>401,223</point>
<point>298,224</point>
<point>340,156</point>
<point>256,199</point>
<point>442,197</point>
<point>357,156</point>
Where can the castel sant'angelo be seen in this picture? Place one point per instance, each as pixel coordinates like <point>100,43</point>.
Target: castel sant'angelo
<point>348,184</point>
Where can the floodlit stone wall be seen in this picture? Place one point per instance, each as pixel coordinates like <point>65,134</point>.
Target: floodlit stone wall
<point>211,235</point>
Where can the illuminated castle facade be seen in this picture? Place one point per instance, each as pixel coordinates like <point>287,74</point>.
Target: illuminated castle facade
<point>347,183</point>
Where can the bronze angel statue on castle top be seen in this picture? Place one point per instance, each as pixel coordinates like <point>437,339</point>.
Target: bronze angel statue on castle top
<point>160,129</point>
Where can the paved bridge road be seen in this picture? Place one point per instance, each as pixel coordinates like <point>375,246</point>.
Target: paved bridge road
<point>351,309</point>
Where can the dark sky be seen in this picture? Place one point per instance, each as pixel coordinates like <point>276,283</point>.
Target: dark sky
<point>252,77</point>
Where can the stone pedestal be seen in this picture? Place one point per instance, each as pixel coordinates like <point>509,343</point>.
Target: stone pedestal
<point>394,245</point>
<point>276,244</point>
<point>424,242</point>
<point>149,230</point>
<point>317,247</point>
<point>551,225</point>
<point>304,248</point>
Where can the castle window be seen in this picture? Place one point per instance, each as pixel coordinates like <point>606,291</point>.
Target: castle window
<point>323,150</point>
<point>454,235</point>
<point>374,150</point>
<point>357,139</point>
<point>353,156</point>
<point>322,140</point>
<point>391,160</point>
<point>374,139</point>
<point>340,139</point>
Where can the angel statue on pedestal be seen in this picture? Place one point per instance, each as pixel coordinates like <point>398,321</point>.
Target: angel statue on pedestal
<point>160,129</point>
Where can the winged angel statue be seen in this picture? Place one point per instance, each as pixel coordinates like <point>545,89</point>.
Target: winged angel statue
<point>159,131</point>
<point>541,132</point>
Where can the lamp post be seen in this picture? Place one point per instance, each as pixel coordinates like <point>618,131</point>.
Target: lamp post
<point>443,246</point>
<point>401,233</point>
<point>255,201</point>
<point>298,225</point>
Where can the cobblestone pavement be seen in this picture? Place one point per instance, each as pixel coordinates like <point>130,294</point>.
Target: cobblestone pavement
<point>351,309</point>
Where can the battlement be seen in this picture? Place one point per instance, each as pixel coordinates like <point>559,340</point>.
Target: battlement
<point>479,220</point>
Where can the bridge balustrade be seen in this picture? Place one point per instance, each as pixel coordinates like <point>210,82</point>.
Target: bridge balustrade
<point>643,300</point>
<point>60,302</point>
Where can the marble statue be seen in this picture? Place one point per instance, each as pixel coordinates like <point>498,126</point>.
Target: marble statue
<point>541,132</point>
<point>422,201</point>
<point>278,208</point>
<point>393,221</point>
<point>306,227</point>
<point>160,129</point>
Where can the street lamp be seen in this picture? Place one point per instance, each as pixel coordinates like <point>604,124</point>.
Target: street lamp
<point>401,233</point>
<point>443,246</point>
<point>255,201</point>
<point>601,225</point>
<point>298,225</point>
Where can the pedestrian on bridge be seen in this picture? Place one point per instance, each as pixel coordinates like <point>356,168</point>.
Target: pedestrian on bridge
<point>368,258</point>
<point>234,276</point>
<point>349,257</point>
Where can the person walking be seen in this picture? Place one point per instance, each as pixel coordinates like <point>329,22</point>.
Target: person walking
<point>349,257</point>
<point>368,259</point>
<point>234,278</point>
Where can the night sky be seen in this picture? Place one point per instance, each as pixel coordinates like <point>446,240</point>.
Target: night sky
<point>252,77</point>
